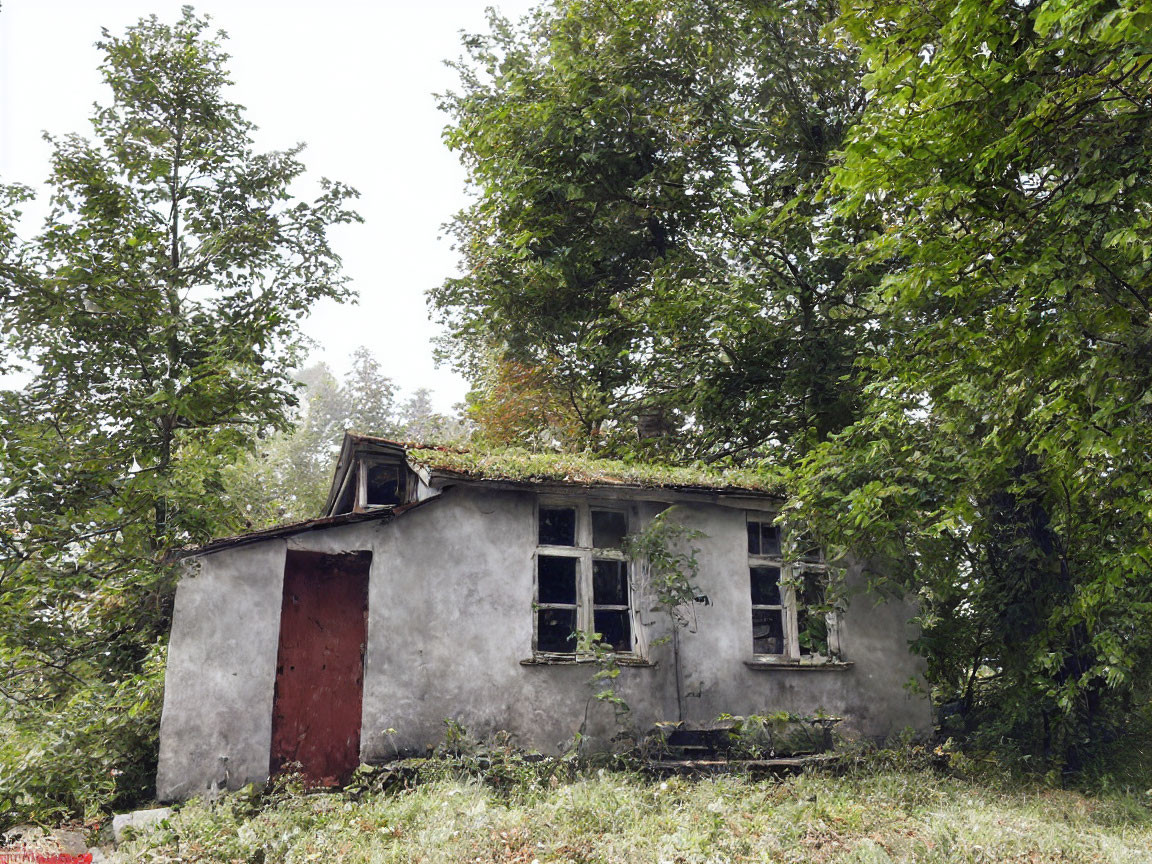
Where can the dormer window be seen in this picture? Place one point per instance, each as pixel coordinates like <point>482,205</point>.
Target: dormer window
<point>372,483</point>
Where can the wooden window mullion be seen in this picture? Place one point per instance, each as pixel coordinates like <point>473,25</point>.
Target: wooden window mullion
<point>788,599</point>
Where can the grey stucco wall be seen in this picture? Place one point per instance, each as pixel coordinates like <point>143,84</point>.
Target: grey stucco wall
<point>870,694</point>
<point>217,722</point>
<point>450,620</point>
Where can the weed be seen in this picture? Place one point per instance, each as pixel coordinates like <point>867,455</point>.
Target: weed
<point>490,803</point>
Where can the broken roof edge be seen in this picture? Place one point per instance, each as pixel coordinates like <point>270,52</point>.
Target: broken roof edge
<point>384,514</point>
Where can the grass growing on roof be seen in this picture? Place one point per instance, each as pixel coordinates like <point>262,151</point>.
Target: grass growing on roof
<point>521,465</point>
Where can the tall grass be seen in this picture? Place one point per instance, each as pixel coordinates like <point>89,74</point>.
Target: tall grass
<point>885,813</point>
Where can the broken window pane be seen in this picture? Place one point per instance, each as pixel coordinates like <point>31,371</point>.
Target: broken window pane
<point>609,583</point>
<point>557,526</point>
<point>811,588</point>
<point>556,579</point>
<point>555,629</point>
<point>812,632</point>
<point>608,529</point>
<point>765,586</point>
<point>753,538</point>
<point>614,627</point>
<point>383,485</point>
<point>767,631</point>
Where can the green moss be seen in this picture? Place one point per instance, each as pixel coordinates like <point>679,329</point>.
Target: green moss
<point>525,466</point>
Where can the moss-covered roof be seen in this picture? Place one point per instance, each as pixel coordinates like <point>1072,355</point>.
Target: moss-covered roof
<point>519,465</point>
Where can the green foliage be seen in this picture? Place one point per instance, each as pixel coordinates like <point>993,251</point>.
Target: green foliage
<point>933,305</point>
<point>15,272</point>
<point>496,762</point>
<point>1000,468</point>
<point>780,734</point>
<point>156,315</point>
<point>665,564</point>
<point>92,752</point>
<point>648,241</point>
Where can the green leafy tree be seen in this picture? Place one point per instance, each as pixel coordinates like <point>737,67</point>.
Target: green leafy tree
<point>648,234</point>
<point>15,272</point>
<point>158,324</point>
<point>1001,463</point>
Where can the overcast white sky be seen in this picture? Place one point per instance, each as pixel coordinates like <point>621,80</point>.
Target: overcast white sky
<point>354,80</point>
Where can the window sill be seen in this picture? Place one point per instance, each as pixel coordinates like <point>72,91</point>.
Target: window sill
<point>774,664</point>
<point>571,660</point>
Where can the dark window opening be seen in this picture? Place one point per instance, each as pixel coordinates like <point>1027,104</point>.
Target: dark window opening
<point>557,526</point>
<point>383,485</point>
<point>765,586</point>
<point>763,539</point>
<point>767,631</point>
<point>584,592</point>
<point>614,627</point>
<point>792,620</point>
<point>556,577</point>
<point>556,630</point>
<point>608,529</point>
<point>609,583</point>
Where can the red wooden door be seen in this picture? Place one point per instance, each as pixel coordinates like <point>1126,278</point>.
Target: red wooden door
<point>320,665</point>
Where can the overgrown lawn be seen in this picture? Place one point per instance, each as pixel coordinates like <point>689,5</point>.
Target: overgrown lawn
<point>879,815</point>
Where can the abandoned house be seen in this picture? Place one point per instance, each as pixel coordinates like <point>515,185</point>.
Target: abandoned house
<point>442,586</point>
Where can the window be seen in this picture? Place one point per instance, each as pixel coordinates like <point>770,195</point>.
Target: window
<point>582,583</point>
<point>378,483</point>
<point>790,617</point>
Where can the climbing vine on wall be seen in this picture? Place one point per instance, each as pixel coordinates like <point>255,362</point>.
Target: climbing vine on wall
<point>666,567</point>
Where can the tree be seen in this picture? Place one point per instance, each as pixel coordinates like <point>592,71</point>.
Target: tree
<point>516,405</point>
<point>158,326</point>
<point>648,237</point>
<point>1001,458</point>
<point>288,477</point>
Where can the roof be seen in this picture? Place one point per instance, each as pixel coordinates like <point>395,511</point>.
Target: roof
<point>524,466</point>
<point>380,514</point>
<point>441,466</point>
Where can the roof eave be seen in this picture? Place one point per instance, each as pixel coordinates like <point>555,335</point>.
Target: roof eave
<point>381,514</point>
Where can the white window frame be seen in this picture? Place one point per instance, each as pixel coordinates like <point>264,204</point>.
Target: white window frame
<point>790,572</point>
<point>584,553</point>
